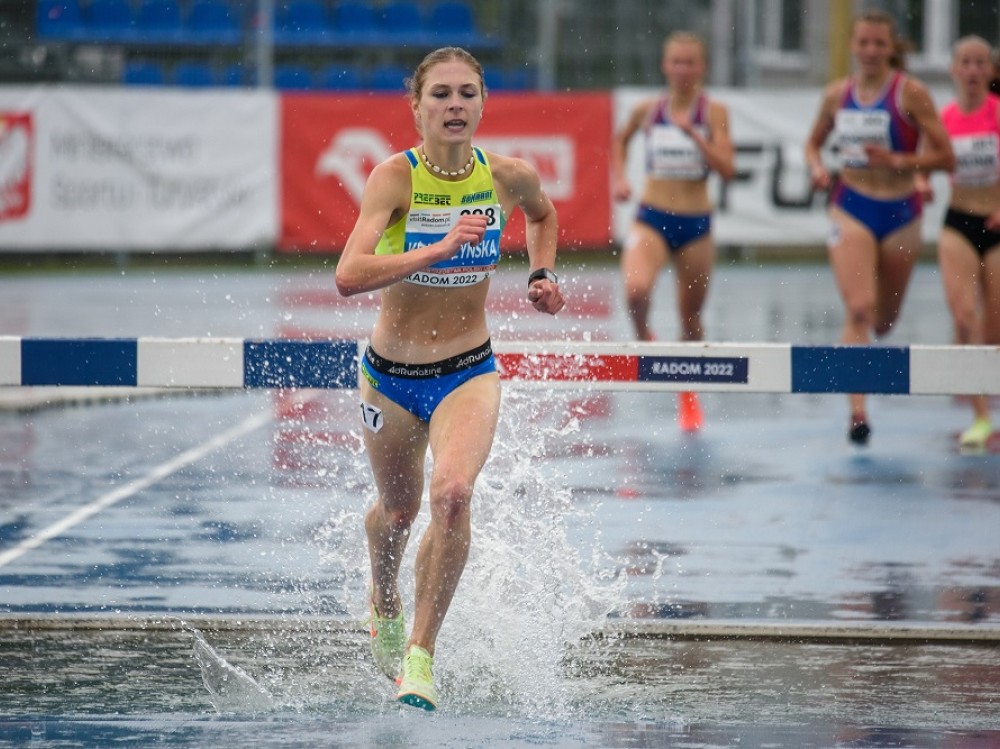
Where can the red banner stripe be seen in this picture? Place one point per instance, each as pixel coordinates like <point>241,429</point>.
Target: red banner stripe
<point>568,367</point>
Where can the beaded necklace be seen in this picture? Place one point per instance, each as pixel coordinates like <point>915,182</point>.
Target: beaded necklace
<point>438,170</point>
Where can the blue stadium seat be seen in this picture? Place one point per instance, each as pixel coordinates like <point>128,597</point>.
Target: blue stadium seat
<point>388,77</point>
<point>499,79</point>
<point>402,23</point>
<point>59,20</point>
<point>110,21</point>
<point>494,79</point>
<point>212,22</point>
<point>339,78</point>
<point>194,74</point>
<point>292,77</point>
<point>301,22</point>
<point>143,73</point>
<point>454,24</point>
<point>452,16</point>
<point>234,75</point>
<point>158,22</point>
<point>354,23</point>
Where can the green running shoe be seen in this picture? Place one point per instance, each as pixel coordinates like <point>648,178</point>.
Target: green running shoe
<point>978,434</point>
<point>416,683</point>
<point>388,640</point>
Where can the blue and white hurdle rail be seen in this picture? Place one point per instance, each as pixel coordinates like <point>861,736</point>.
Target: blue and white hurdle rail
<point>236,363</point>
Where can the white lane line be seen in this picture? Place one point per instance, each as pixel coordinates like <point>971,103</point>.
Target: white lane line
<point>160,472</point>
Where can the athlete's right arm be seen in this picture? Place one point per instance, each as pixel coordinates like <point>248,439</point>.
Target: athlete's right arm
<point>385,200</point>
<point>821,129</point>
<point>620,188</point>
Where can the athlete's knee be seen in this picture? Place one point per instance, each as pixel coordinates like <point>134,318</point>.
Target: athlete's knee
<point>398,516</point>
<point>861,314</point>
<point>451,501</point>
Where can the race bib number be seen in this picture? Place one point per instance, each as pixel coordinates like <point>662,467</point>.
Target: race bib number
<point>856,129</point>
<point>977,160</point>
<point>472,263</point>
<point>673,154</point>
<point>372,417</point>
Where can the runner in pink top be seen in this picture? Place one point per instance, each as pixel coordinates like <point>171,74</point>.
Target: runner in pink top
<point>969,243</point>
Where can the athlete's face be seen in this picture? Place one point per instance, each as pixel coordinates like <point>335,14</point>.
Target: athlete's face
<point>872,46</point>
<point>972,67</point>
<point>450,105</point>
<point>683,64</point>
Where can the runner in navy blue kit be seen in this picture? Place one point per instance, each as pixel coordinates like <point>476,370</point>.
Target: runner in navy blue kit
<point>687,137</point>
<point>877,117</point>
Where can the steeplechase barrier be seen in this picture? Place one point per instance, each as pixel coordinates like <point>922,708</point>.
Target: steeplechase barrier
<point>235,363</point>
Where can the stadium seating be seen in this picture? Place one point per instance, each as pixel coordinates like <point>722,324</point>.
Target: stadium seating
<point>339,78</point>
<point>59,20</point>
<point>388,77</point>
<point>238,74</point>
<point>195,74</point>
<point>354,23</point>
<point>212,22</point>
<point>453,23</point>
<point>158,22</point>
<point>301,22</point>
<point>402,24</point>
<point>290,77</point>
<point>500,79</point>
<point>110,22</point>
<point>383,26</point>
<point>143,73</point>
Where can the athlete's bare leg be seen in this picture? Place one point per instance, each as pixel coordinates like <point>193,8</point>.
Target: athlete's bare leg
<point>396,454</point>
<point>643,257</point>
<point>461,435</point>
<point>693,271</point>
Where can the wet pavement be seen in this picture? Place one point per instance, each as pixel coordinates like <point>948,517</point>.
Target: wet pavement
<point>119,519</point>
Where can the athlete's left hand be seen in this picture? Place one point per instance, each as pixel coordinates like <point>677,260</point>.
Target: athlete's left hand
<point>545,296</point>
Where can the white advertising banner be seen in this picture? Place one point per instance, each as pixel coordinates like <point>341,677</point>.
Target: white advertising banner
<point>85,168</point>
<point>770,201</point>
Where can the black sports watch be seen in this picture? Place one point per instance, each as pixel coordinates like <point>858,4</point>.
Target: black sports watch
<point>540,273</point>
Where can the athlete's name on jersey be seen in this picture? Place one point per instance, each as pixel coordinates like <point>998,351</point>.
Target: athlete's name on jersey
<point>477,197</point>
<point>976,159</point>
<point>429,198</point>
<point>694,369</point>
<point>488,248</point>
<point>674,151</point>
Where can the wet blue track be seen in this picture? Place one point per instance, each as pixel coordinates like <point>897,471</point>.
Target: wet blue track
<point>593,510</point>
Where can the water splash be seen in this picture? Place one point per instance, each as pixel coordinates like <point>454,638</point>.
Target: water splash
<point>527,597</point>
<point>230,688</point>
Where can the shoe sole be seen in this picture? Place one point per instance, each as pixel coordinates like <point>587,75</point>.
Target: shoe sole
<point>415,700</point>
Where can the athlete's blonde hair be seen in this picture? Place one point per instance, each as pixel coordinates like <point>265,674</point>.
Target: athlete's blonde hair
<point>687,37</point>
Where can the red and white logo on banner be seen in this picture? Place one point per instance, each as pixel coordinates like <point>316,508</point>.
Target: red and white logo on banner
<point>16,145</point>
<point>330,144</point>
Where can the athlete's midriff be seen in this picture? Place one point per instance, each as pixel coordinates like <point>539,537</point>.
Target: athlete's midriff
<point>682,196</point>
<point>419,324</point>
<point>883,184</point>
<point>979,201</point>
